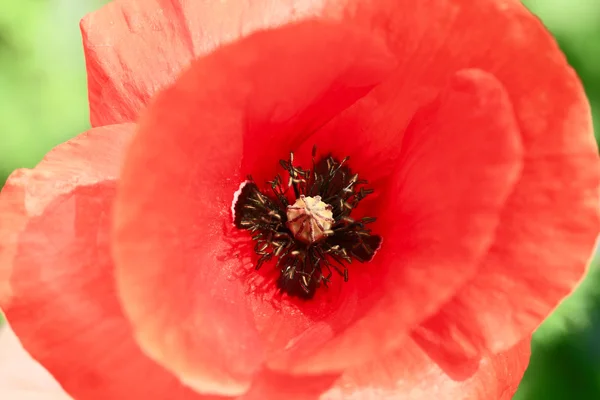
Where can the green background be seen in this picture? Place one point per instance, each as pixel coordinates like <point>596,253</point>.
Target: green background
<point>43,101</point>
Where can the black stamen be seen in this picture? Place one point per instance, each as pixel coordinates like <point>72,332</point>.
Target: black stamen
<point>303,267</point>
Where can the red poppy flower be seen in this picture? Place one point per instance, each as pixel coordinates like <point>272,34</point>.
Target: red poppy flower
<point>125,277</point>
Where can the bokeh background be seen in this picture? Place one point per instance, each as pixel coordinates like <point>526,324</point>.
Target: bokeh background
<point>43,102</point>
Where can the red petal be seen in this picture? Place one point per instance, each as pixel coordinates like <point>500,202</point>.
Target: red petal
<point>134,48</point>
<point>518,285</point>
<point>271,385</point>
<point>459,160</point>
<point>237,111</point>
<point>409,374</point>
<point>22,378</point>
<point>27,194</point>
<point>495,36</point>
<point>63,305</point>
<point>550,222</point>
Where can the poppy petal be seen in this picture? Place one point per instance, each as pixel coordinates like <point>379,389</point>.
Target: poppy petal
<point>409,374</point>
<point>550,222</point>
<point>134,48</point>
<point>235,112</point>
<point>270,385</point>
<point>63,303</point>
<point>460,158</point>
<point>496,37</point>
<point>23,197</point>
<point>518,285</point>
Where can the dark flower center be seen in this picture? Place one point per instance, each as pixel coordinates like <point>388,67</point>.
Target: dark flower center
<point>314,236</point>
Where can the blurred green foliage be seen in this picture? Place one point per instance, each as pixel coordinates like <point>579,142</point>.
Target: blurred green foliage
<point>565,361</point>
<point>576,26</point>
<point>43,102</point>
